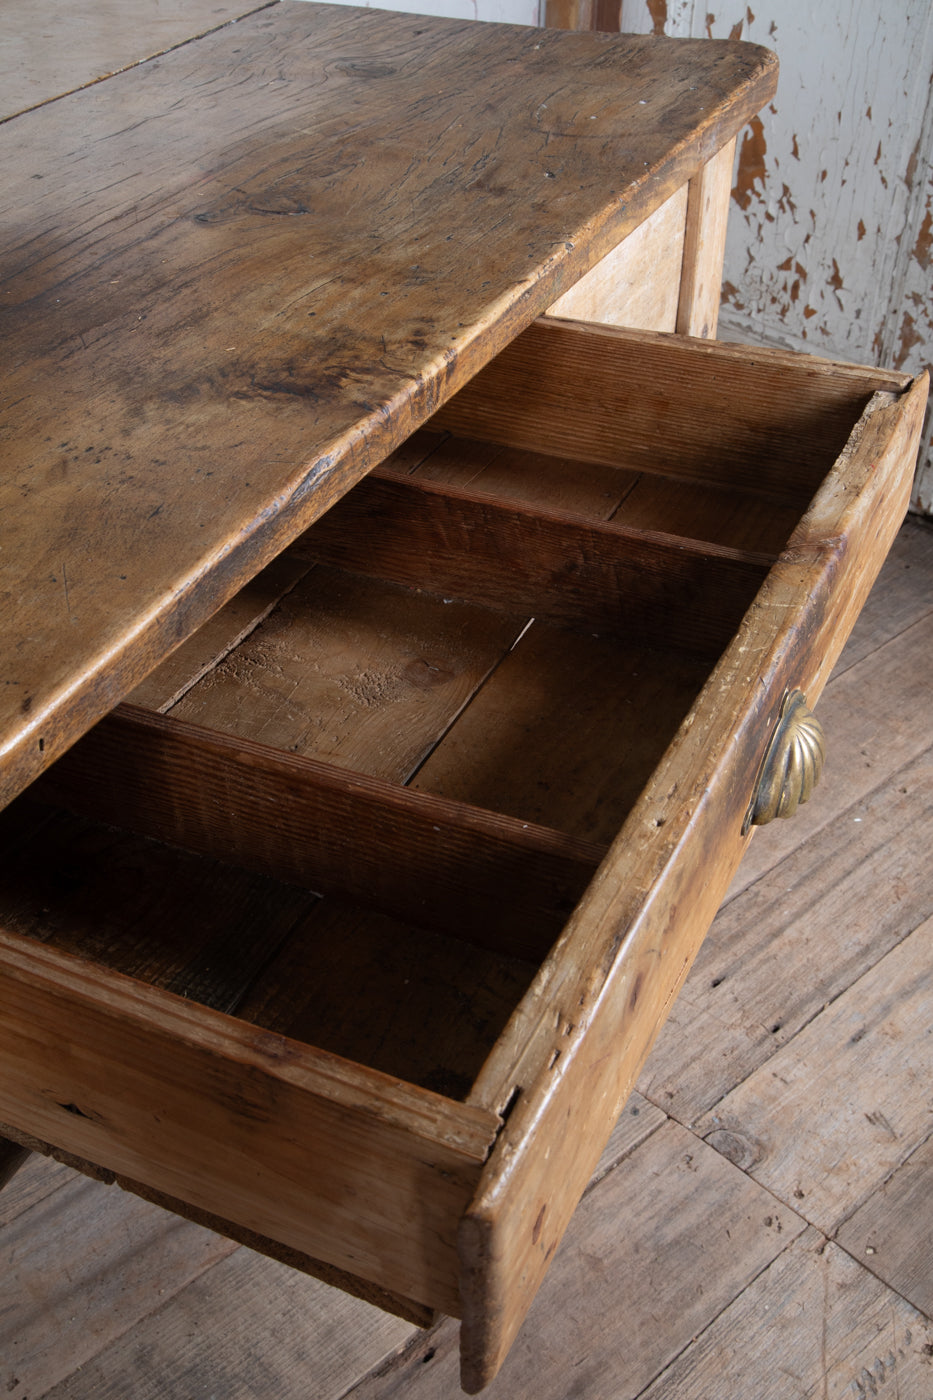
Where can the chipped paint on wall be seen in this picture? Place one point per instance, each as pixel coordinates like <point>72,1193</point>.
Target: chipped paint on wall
<point>923,248</point>
<point>824,175</point>
<point>657,9</point>
<point>751,163</point>
<point>823,183</point>
<point>830,242</point>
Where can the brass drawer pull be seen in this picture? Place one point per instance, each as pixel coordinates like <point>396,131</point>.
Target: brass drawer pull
<point>791,766</point>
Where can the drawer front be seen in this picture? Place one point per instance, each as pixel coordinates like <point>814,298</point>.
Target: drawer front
<point>294,1145</point>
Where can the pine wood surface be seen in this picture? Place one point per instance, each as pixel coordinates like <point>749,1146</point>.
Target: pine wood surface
<point>205,354</point>
<point>168,683</point>
<point>638,283</point>
<point>353,672</point>
<point>163,916</point>
<point>494,1240</point>
<point>477,874</point>
<point>78,42</point>
<point>667,276</point>
<point>386,1139</point>
<point>37,1178</point>
<point>739,519</point>
<point>672,1199</point>
<point>538,761</point>
<point>764,421</point>
<point>892,1232</point>
<point>604,576</point>
<point>708,200</point>
<point>815,1323</point>
<point>821,1319</point>
<point>422,1008</point>
<point>812,594</point>
<point>884,1049</point>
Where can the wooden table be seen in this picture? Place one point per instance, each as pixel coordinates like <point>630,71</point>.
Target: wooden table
<point>63,46</point>
<point>239,274</point>
<point>238,277</point>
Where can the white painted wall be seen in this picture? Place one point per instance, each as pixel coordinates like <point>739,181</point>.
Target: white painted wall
<point>830,243</point>
<point>495,11</point>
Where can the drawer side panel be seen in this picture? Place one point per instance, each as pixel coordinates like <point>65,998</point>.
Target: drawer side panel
<point>588,1024</point>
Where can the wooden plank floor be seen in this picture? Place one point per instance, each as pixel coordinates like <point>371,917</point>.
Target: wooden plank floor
<point>762,1222</point>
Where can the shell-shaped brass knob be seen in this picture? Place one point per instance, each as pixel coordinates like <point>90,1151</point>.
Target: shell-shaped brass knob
<point>792,764</point>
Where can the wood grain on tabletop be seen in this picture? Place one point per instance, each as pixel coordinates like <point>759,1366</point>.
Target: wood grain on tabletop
<point>325,221</point>
<point>50,50</point>
<point>651,878</point>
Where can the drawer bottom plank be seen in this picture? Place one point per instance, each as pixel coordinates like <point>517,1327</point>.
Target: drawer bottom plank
<point>567,731</point>
<point>358,673</point>
<point>424,1008</point>
<point>722,515</point>
<point>413,1003</point>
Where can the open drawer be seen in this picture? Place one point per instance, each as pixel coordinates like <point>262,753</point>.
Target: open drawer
<point>443,806</point>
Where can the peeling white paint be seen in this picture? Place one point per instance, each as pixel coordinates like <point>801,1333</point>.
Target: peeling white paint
<point>830,242</point>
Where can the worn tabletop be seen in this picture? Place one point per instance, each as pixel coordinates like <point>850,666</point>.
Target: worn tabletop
<point>235,276</point>
<point>55,47</point>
